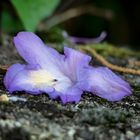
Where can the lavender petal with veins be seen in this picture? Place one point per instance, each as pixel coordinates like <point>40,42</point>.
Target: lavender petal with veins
<point>65,76</point>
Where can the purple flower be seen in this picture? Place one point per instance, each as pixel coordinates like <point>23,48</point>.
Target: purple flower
<point>65,76</point>
<point>83,40</point>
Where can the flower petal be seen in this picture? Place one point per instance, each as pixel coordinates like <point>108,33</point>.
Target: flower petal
<point>72,94</point>
<point>74,60</point>
<point>27,78</point>
<point>34,80</point>
<point>20,80</point>
<point>30,47</point>
<point>34,51</point>
<point>11,73</point>
<point>104,83</point>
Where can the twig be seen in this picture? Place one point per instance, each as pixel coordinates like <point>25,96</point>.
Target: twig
<point>100,59</point>
<point>75,12</point>
<point>109,65</point>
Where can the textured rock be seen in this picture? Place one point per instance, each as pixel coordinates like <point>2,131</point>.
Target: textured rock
<point>40,118</point>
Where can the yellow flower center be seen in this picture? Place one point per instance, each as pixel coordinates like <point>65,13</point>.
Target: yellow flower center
<point>41,77</point>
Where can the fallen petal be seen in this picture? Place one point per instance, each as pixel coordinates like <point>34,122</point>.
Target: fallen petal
<point>104,83</point>
<point>74,61</point>
<point>19,78</point>
<point>34,51</point>
<point>72,94</point>
<point>65,76</point>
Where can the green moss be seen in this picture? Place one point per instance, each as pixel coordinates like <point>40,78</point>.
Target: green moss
<point>106,49</point>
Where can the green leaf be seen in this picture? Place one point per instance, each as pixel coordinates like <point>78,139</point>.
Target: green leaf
<point>9,23</point>
<point>31,12</point>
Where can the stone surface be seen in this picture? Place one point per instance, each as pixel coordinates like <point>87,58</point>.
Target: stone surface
<point>40,118</point>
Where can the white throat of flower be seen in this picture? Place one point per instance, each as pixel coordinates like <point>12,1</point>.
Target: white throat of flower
<point>59,81</point>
